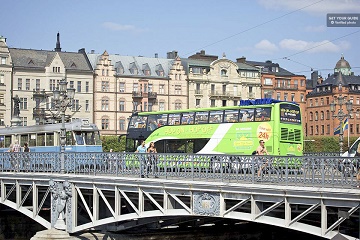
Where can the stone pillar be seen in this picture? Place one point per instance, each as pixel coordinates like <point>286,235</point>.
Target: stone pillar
<point>61,205</point>
<point>51,234</point>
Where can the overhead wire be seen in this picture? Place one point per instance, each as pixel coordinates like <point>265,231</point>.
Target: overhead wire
<point>256,26</point>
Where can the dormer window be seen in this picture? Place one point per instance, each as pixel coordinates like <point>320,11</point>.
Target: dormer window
<point>146,69</point>
<point>55,69</point>
<point>159,70</point>
<point>73,65</point>
<point>223,72</point>
<point>119,68</point>
<point>133,69</point>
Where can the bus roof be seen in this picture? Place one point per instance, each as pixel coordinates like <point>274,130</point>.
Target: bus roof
<point>262,102</point>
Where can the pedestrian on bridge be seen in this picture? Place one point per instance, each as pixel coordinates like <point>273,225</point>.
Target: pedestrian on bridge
<point>142,159</point>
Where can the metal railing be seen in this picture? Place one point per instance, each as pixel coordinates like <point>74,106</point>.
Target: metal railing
<point>327,171</point>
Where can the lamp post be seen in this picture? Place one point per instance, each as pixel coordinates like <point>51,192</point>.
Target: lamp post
<point>63,98</point>
<point>341,115</point>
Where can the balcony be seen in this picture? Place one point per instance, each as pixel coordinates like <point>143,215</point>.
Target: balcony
<point>152,95</point>
<point>198,92</point>
<point>39,93</point>
<point>287,87</point>
<point>251,95</point>
<point>219,94</point>
<point>136,94</point>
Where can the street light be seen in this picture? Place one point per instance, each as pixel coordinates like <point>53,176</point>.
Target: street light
<point>341,115</point>
<point>63,98</point>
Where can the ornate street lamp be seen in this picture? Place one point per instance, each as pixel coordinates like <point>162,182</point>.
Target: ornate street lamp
<point>341,115</point>
<point>63,98</point>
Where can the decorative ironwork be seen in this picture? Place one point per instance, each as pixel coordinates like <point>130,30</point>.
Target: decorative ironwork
<point>207,204</point>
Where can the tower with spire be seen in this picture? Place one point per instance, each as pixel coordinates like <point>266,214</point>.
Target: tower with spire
<point>57,48</point>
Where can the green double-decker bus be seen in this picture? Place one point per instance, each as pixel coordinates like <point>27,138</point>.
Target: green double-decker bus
<point>232,130</point>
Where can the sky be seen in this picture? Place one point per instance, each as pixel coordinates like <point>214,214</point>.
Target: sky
<point>292,33</point>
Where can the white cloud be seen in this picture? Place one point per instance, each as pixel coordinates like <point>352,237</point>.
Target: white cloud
<point>320,28</point>
<point>316,6</point>
<point>265,46</point>
<point>313,47</point>
<point>118,27</point>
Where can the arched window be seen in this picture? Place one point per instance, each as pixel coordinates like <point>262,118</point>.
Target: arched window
<point>327,115</point>
<point>223,72</point>
<point>311,116</point>
<point>105,123</point>
<point>322,115</point>
<point>316,116</point>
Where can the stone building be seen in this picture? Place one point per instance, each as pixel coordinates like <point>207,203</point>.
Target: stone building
<point>342,83</point>
<point>127,84</point>
<point>5,83</point>
<point>214,82</point>
<point>36,74</point>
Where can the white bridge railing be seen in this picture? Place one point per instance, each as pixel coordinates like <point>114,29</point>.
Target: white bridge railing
<point>322,171</point>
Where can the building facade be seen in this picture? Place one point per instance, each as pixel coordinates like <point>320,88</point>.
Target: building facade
<point>37,73</point>
<point>342,83</point>
<point>214,82</point>
<point>126,84</point>
<point>5,83</point>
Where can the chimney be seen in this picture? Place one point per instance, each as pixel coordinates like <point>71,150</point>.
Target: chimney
<point>241,59</point>
<point>172,55</point>
<point>314,78</point>
<point>92,51</point>
<point>156,55</point>
<point>81,50</point>
<point>202,52</point>
<point>57,48</point>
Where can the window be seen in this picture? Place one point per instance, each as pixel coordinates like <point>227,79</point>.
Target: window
<point>311,116</point>
<point>212,102</point>
<point>75,105</point>
<point>302,99</point>
<point>351,128</point>
<point>56,69</point>
<point>316,102</point>
<point>52,85</point>
<point>162,89</point>
<point>178,105</point>
<point>19,83</point>
<point>296,84</point>
<point>2,99</point>
<point>150,106</point>
<point>197,102</point>
<point>357,128</point>
<point>321,101</point>
<point>87,106</point>
<point>78,86</point>
<point>3,60</point>
<point>161,106</point>
<point>103,72</point>
<point>316,116</point>
<point>322,129</point>
<point>224,89</point>
<point>327,115</point>
<point>293,97</point>
<point>2,122</point>
<point>23,104</point>
<point>278,96</point>
<point>250,89</point>
<point>122,124</point>
<point>37,84</point>
<point>268,93</point>
<point>223,72</point>
<point>322,115</point>
<point>71,85</point>
<point>27,84</point>
<point>235,102</point>
<point>2,79</point>
<point>105,86</point>
<point>327,100</point>
<point>311,130</point>
<point>268,81</point>
<point>145,106</point>
<point>121,105</point>
<point>24,121</point>
<point>302,83</point>
<point>285,96</point>
<point>121,87</point>
<point>150,88</point>
<point>105,104</point>
<point>105,123</point>
<point>86,86</point>
<point>177,89</point>
<point>135,87</point>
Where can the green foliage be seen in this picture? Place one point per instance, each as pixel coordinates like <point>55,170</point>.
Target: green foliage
<point>326,144</point>
<point>112,142</point>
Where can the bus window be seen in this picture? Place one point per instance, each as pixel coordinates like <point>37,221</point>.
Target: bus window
<point>201,117</point>
<point>138,122</point>
<point>40,139</point>
<point>246,115</point>
<point>231,116</point>
<point>216,116</point>
<point>32,140</point>
<point>152,123</point>
<point>263,114</point>
<point>187,118</point>
<point>174,118</point>
<point>50,139</point>
<point>290,113</point>
<point>79,138</point>
<point>23,139</point>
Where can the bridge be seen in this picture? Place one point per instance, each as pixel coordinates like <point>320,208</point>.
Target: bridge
<point>117,191</point>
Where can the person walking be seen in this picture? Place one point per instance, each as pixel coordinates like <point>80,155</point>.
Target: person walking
<point>142,149</point>
<point>261,150</point>
<point>26,157</point>
<point>153,158</point>
<point>16,146</point>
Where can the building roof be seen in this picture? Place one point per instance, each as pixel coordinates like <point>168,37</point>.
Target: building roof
<point>141,63</point>
<point>342,63</point>
<point>39,59</point>
<point>337,78</point>
<point>271,68</point>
